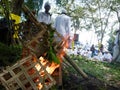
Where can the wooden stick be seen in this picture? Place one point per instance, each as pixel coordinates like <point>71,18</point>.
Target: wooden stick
<point>32,17</point>
<point>75,66</point>
<point>78,69</point>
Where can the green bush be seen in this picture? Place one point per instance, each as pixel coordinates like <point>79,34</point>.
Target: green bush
<point>9,54</point>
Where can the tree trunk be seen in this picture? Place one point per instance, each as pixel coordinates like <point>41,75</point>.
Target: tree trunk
<point>17,5</point>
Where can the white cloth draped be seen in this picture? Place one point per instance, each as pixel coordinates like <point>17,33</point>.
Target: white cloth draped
<point>62,24</point>
<point>44,17</point>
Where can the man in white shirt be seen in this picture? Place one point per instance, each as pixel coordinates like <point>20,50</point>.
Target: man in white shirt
<point>63,25</point>
<point>45,17</point>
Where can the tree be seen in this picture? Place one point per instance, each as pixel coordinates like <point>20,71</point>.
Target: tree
<point>116,52</point>
<point>98,13</point>
<point>115,7</point>
<point>17,5</point>
<point>35,5</point>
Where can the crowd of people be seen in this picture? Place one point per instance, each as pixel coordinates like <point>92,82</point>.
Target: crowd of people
<point>92,53</point>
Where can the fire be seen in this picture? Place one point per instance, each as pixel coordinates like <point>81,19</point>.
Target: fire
<point>40,86</point>
<point>50,68</point>
<point>64,45</point>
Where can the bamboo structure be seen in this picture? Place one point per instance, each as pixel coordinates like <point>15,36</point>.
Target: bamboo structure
<point>61,44</point>
<point>27,74</point>
<point>30,73</point>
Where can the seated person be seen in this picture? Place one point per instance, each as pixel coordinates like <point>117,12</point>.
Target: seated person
<point>107,56</point>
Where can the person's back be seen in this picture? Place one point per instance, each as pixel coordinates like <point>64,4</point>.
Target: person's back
<point>62,24</point>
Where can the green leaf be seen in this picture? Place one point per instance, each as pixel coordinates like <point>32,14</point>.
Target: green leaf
<point>55,58</point>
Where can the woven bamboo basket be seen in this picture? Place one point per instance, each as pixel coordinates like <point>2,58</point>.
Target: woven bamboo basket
<point>27,74</point>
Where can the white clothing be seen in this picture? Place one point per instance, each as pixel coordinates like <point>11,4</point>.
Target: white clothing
<point>75,51</point>
<point>44,17</point>
<point>83,52</point>
<point>89,54</point>
<point>99,57</point>
<point>87,47</point>
<point>62,24</point>
<point>69,51</point>
<point>107,56</point>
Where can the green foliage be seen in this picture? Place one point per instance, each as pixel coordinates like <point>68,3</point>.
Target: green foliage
<point>51,54</point>
<point>9,54</point>
<point>118,1</point>
<point>111,44</point>
<point>107,72</point>
<point>5,4</point>
<point>34,4</point>
<point>58,2</point>
<point>40,4</point>
<point>61,2</point>
<point>1,11</point>
<point>30,4</point>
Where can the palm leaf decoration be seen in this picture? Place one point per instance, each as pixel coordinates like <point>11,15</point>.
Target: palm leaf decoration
<point>51,54</point>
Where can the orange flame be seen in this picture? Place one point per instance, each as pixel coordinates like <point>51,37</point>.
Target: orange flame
<point>50,68</point>
<point>39,86</point>
<point>64,45</point>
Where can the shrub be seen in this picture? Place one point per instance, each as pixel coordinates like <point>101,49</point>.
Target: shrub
<point>9,54</point>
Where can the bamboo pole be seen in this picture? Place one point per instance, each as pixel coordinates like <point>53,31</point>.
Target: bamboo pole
<point>67,58</point>
<point>32,18</point>
<point>78,69</point>
<point>75,66</point>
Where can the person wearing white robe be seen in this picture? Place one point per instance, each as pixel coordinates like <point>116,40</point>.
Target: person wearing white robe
<point>99,56</point>
<point>45,17</point>
<point>63,24</point>
<point>107,56</point>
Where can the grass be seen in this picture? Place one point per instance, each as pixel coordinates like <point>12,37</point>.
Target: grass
<point>107,72</point>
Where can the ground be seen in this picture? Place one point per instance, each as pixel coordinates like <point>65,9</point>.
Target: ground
<point>102,75</point>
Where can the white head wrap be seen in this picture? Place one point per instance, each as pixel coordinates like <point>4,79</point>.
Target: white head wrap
<point>63,11</point>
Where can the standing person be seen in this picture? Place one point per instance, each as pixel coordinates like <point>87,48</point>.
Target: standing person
<point>63,24</point>
<point>45,17</point>
<point>101,48</point>
<point>92,49</point>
